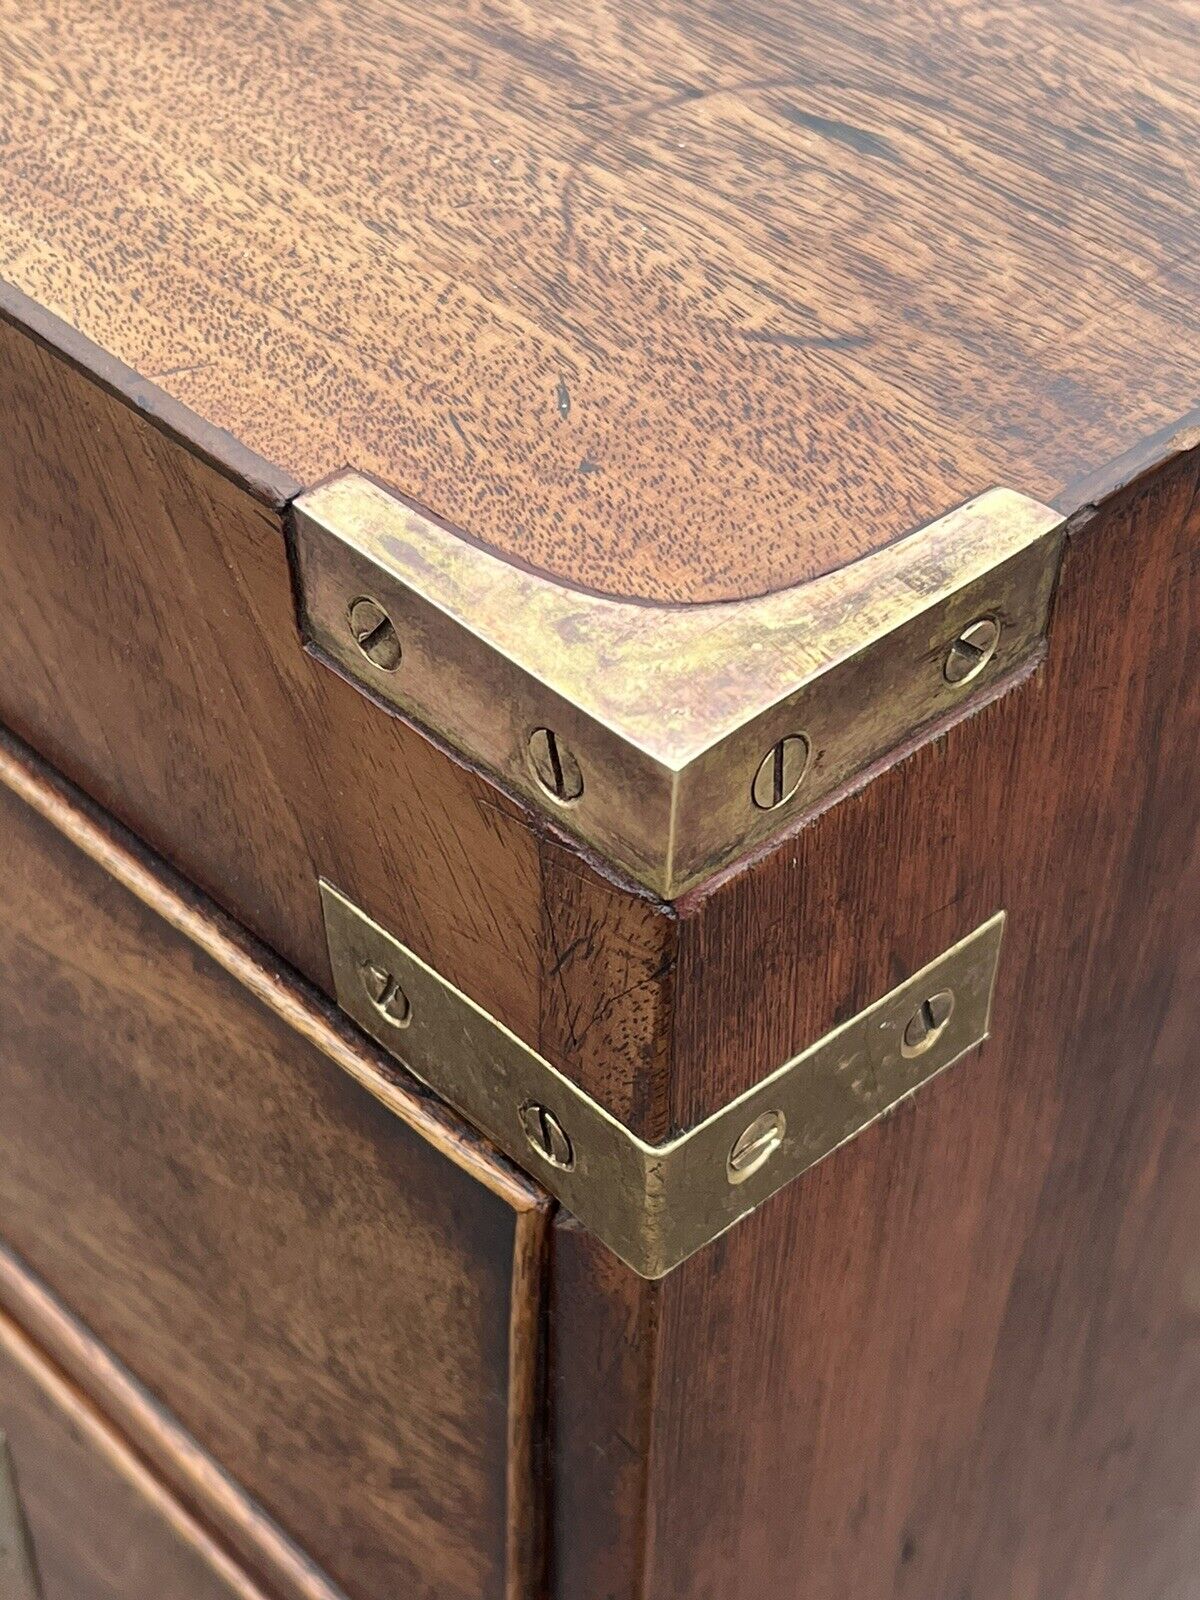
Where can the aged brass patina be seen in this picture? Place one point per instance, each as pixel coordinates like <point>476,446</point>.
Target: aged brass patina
<point>672,738</point>
<point>655,1205</point>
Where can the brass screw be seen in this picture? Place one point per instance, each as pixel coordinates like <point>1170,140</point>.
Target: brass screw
<point>374,634</point>
<point>972,650</point>
<point>545,1133</point>
<point>780,772</point>
<point>927,1023</point>
<point>386,995</point>
<point>554,766</point>
<point>756,1145</point>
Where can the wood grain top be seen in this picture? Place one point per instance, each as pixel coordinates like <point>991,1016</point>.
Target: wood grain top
<point>680,301</point>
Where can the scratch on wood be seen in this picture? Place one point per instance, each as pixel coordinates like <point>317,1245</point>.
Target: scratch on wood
<point>458,428</point>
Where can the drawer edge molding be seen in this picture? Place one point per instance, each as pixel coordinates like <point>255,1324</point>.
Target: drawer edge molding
<point>43,1338</point>
<point>319,1023</point>
<point>106,843</point>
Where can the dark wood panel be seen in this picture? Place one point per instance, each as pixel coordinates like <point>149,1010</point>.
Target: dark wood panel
<point>607,987</point>
<point>149,1431</point>
<point>150,650</point>
<point>334,1287</point>
<point>101,1527</point>
<point>604,1325</point>
<point>148,647</point>
<point>678,300</point>
<point>961,1357</point>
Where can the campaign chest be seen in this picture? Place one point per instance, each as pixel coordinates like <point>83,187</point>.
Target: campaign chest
<point>599,754</point>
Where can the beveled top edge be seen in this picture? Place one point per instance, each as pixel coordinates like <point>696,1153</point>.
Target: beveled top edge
<point>220,449</point>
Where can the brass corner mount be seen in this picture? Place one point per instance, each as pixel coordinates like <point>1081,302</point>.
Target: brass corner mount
<point>656,1205</point>
<point>671,738</point>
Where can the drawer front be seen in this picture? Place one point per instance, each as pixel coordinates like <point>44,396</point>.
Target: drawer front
<point>329,1283</point>
<point>82,1518</point>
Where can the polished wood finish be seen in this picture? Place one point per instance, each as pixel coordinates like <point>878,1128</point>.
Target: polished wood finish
<point>344,1313</point>
<point>148,647</point>
<point>604,1327</point>
<point>156,1438</point>
<point>679,301</point>
<point>959,1357</point>
<point>148,596</point>
<point>101,1526</point>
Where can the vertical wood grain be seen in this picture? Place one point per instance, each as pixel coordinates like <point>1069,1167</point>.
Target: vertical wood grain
<point>604,1349</point>
<point>960,1357</point>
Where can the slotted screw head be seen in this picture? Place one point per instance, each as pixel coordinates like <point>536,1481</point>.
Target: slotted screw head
<point>385,994</point>
<point>927,1022</point>
<point>547,1136</point>
<point>781,771</point>
<point>755,1146</point>
<point>972,650</point>
<point>554,766</point>
<point>374,634</point>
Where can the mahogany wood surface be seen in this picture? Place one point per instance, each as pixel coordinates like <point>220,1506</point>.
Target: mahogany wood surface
<point>101,1527</point>
<point>680,301</point>
<point>155,1438</point>
<point>676,300</point>
<point>148,647</point>
<point>961,1357</point>
<point>322,1298</point>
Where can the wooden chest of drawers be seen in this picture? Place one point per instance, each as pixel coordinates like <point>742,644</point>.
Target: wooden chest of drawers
<point>599,945</point>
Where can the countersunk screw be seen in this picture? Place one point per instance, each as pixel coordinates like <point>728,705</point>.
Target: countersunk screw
<point>386,995</point>
<point>927,1022</point>
<point>554,766</point>
<point>374,634</point>
<point>780,772</point>
<point>545,1133</point>
<point>972,650</point>
<point>756,1145</point>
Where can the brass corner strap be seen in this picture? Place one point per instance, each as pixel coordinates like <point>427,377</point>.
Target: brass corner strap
<point>655,1205</point>
<point>671,738</point>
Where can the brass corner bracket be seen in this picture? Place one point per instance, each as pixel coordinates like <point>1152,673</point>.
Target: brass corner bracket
<point>672,738</point>
<point>655,1205</point>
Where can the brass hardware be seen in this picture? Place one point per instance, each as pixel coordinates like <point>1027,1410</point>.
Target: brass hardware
<point>18,1574</point>
<point>554,766</point>
<point>385,994</point>
<point>668,710</point>
<point>781,772</point>
<point>972,650</point>
<point>374,633</point>
<point>654,1205</point>
<point>927,1022</point>
<point>755,1147</point>
<point>545,1134</point>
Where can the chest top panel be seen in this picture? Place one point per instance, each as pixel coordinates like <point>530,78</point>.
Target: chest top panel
<point>679,301</point>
